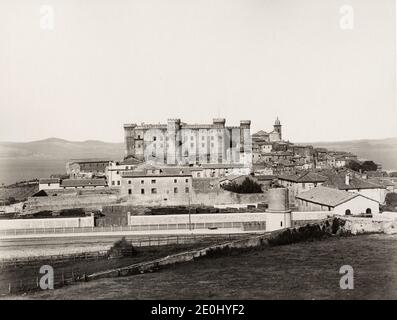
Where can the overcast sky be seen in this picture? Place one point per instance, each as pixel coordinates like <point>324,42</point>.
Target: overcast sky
<point>107,62</point>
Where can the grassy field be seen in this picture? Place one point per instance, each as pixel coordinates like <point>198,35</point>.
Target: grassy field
<point>23,278</point>
<point>300,271</point>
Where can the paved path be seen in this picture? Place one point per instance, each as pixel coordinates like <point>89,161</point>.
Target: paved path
<point>221,231</point>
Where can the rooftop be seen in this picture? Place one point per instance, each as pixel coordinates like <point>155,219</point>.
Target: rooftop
<point>50,180</point>
<point>308,176</point>
<point>338,180</point>
<point>326,196</point>
<point>83,182</point>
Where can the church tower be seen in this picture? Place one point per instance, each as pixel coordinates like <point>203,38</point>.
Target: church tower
<point>277,127</point>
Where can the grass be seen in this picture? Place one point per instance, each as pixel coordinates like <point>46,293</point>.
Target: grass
<point>24,278</point>
<point>307,270</point>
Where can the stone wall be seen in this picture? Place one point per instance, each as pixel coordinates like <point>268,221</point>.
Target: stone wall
<point>94,201</point>
<point>47,223</point>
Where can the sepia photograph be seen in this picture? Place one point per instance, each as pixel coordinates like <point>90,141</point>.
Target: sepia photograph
<point>198,151</point>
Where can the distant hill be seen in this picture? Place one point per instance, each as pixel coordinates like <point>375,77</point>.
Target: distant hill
<point>383,151</point>
<point>55,148</point>
<point>29,160</point>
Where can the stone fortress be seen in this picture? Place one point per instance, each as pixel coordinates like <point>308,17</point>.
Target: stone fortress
<point>179,143</point>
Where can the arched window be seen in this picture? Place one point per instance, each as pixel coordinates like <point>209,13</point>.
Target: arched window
<point>368,210</point>
<point>348,212</point>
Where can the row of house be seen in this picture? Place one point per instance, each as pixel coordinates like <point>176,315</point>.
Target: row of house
<point>344,181</point>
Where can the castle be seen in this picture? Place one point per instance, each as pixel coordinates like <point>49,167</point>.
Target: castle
<point>179,143</point>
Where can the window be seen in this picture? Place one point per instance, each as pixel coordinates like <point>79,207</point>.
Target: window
<point>212,138</point>
<point>203,145</point>
<point>49,184</point>
<point>117,172</point>
<point>187,180</point>
<point>187,189</point>
<point>129,191</point>
<point>154,190</point>
<point>368,210</point>
<point>192,145</point>
<point>175,180</point>
<point>348,212</point>
<point>191,138</point>
<point>142,191</point>
<point>118,182</point>
<point>142,181</point>
<point>129,181</point>
<point>112,183</point>
<point>202,138</point>
<point>154,138</point>
<point>175,190</point>
<point>198,174</point>
<point>212,145</point>
<point>281,223</point>
<point>153,181</point>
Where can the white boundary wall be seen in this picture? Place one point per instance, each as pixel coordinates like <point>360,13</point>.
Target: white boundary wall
<point>196,218</point>
<point>310,215</point>
<point>47,223</point>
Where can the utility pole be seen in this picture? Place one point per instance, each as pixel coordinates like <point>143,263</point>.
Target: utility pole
<point>190,218</point>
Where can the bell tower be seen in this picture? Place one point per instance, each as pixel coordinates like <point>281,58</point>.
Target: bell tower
<point>277,127</point>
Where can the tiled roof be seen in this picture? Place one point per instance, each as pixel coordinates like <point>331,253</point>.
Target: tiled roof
<point>338,180</point>
<point>83,182</point>
<point>131,161</point>
<point>263,177</point>
<point>326,196</point>
<point>231,177</point>
<point>222,165</point>
<point>159,172</point>
<point>91,160</point>
<point>307,176</point>
<point>260,133</point>
<point>50,180</point>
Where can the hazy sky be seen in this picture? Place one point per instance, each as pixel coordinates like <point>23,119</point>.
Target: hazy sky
<point>107,62</point>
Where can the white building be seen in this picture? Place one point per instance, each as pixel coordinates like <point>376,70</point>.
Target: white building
<point>219,170</point>
<point>49,184</point>
<point>116,168</point>
<point>338,201</point>
<point>351,183</point>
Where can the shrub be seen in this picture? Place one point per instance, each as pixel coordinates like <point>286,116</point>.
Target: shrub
<point>121,249</point>
<point>247,186</point>
<point>391,199</point>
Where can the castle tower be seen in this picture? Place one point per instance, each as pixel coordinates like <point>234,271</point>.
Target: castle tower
<point>277,127</point>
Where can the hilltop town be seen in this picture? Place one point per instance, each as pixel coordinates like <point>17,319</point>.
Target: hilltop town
<point>179,164</point>
<point>199,187</point>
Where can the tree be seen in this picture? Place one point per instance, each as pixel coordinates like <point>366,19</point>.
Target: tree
<point>369,166</point>
<point>354,165</point>
<point>391,199</point>
<point>247,186</point>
